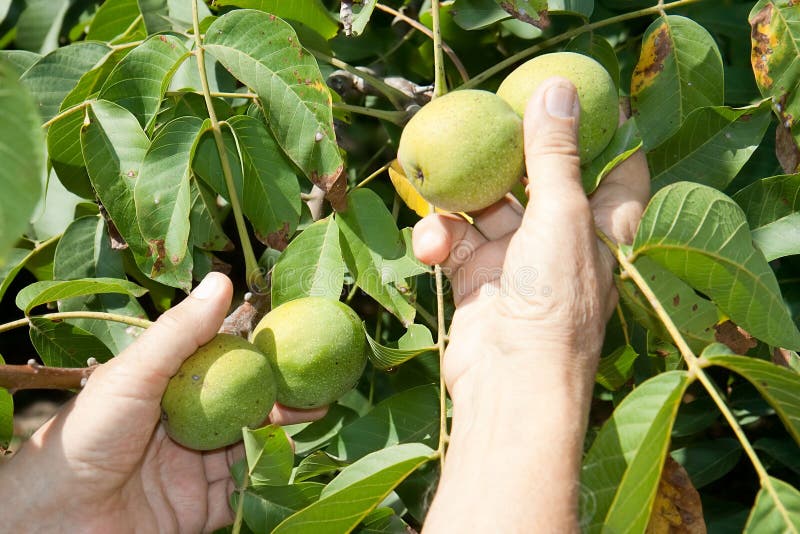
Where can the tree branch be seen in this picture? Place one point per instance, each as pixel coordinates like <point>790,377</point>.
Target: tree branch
<point>36,376</point>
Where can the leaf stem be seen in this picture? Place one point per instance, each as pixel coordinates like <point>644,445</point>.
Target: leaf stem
<point>237,522</point>
<point>392,94</point>
<point>509,61</point>
<point>443,434</point>
<point>395,117</point>
<point>439,78</point>
<point>254,274</point>
<point>425,30</point>
<point>66,112</point>
<point>694,364</point>
<point>374,175</point>
<point>60,316</point>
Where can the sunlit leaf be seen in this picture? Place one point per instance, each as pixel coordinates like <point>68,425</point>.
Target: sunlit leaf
<point>62,344</point>
<point>701,235</point>
<point>711,146</point>
<point>383,357</point>
<point>623,145</point>
<point>52,77</point>
<point>406,417</point>
<point>358,489</point>
<point>777,385</point>
<point>53,290</point>
<point>370,236</point>
<point>19,60</point>
<point>22,154</point>
<point>162,192</point>
<point>311,265</point>
<point>39,24</point>
<point>777,509</point>
<point>679,70</point>
<point>139,80</point>
<point>115,17</point>
<point>269,455</point>
<point>263,52</point>
<point>312,13</point>
<point>622,469</point>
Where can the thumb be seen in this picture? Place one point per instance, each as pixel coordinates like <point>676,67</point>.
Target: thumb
<point>552,157</point>
<point>143,370</point>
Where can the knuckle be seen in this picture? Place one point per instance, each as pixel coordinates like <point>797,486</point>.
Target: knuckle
<point>561,142</point>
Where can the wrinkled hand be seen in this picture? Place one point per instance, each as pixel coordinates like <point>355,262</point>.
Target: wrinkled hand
<point>105,464</point>
<point>533,287</point>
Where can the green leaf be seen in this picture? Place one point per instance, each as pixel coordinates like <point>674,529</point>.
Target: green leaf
<point>383,357</point>
<point>406,417</point>
<point>616,368</point>
<point>271,195</point>
<point>62,344</point>
<point>317,434</point>
<point>622,469</point>
<point>115,17</point>
<point>623,145</point>
<point>361,15</point>
<point>679,70</point>
<point>775,58</point>
<point>84,251</point>
<point>783,450</point>
<point>312,13</point>
<point>265,507</point>
<point>533,12</point>
<point>22,154</point>
<point>694,316</point>
<point>141,78</point>
<point>269,455</point>
<point>772,208</point>
<point>19,60</point>
<point>263,52</point>
<point>707,461</point>
<point>397,270</point>
<point>383,521</point>
<point>311,265</point>
<point>52,77</point>
<point>358,489</point>
<point>315,464</point>
<point>711,146</point>
<point>53,290</point>
<point>6,415</point>
<point>11,265</point>
<point>775,511</point>
<point>777,385</point>
<point>162,193</point>
<point>40,23</point>
<point>370,236</point>
<point>701,235</point>
<point>156,15</point>
<point>477,14</point>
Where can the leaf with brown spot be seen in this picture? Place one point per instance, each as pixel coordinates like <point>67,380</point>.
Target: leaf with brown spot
<point>679,70</point>
<point>734,337</point>
<point>775,58</point>
<point>677,508</point>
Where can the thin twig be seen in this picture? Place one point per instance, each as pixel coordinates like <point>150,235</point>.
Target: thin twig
<point>60,316</point>
<point>425,30</point>
<point>511,60</point>
<point>395,117</point>
<point>374,175</point>
<point>439,76</point>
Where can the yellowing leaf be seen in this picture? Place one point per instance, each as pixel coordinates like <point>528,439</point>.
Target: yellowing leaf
<point>410,196</point>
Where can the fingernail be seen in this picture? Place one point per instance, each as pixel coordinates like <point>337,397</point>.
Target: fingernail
<point>561,102</point>
<point>207,287</point>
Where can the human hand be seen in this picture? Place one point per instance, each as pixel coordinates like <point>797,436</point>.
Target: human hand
<point>533,287</point>
<point>105,464</point>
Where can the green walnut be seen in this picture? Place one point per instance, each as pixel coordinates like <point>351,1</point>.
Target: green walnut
<point>226,385</point>
<point>596,92</point>
<point>463,151</point>
<point>317,349</point>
